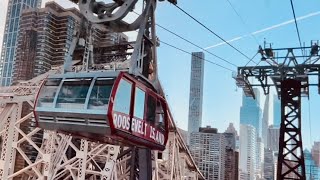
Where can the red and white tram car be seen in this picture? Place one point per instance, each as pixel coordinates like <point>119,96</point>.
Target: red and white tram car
<point>110,107</point>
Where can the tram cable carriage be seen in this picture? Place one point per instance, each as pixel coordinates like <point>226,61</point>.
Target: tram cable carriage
<point>109,107</point>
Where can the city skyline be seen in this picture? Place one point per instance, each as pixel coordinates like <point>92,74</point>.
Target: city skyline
<point>225,110</point>
<point>233,116</point>
<point>196,92</point>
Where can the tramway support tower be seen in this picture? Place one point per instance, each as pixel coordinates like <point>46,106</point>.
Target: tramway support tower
<point>291,75</point>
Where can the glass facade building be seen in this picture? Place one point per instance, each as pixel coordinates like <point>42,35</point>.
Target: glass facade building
<point>196,92</point>
<point>250,112</point>
<point>10,37</point>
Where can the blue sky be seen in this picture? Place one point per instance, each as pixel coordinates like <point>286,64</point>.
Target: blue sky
<point>222,100</point>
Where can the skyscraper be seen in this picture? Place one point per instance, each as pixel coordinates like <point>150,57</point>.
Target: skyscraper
<point>232,129</point>
<point>196,91</point>
<point>276,111</point>
<point>250,112</point>
<point>269,167</point>
<point>10,37</point>
<point>247,160</point>
<point>231,164</point>
<point>44,39</point>
<point>265,121</point>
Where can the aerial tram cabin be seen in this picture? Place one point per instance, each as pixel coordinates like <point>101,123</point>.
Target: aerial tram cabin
<point>110,107</point>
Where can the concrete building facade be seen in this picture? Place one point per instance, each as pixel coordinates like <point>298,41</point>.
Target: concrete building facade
<point>265,122</point>
<point>273,138</point>
<point>259,158</point>
<point>214,153</point>
<point>268,167</point>
<point>248,145</point>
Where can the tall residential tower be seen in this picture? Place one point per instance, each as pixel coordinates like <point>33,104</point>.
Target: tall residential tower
<point>10,37</point>
<point>196,92</point>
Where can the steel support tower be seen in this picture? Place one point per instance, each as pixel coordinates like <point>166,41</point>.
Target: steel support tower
<point>291,75</point>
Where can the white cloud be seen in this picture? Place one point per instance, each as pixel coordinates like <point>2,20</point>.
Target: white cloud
<point>267,29</point>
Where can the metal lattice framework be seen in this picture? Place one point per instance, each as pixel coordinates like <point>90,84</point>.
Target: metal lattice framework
<point>61,156</point>
<point>290,77</point>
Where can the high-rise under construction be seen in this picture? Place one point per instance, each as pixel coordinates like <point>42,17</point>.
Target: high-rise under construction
<point>45,38</point>
<point>10,37</point>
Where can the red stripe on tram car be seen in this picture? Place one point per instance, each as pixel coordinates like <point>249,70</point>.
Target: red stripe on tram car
<point>136,130</point>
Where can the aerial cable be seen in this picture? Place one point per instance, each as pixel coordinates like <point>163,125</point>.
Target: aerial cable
<point>192,43</point>
<point>243,22</point>
<point>252,60</point>
<point>297,29</point>
<point>182,50</point>
<point>213,33</point>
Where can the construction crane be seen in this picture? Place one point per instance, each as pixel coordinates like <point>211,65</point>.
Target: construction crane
<point>99,120</point>
<point>290,75</point>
